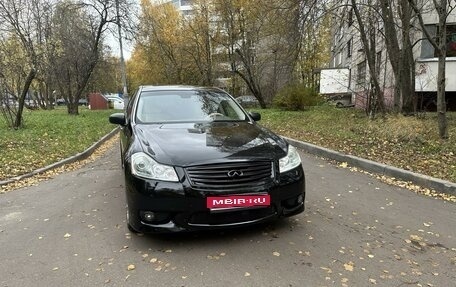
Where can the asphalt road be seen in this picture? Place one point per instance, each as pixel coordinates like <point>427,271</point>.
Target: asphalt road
<point>356,231</point>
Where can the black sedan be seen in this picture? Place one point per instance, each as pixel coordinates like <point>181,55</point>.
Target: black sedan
<point>194,159</point>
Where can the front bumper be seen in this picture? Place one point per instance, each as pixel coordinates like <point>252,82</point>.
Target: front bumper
<point>179,207</point>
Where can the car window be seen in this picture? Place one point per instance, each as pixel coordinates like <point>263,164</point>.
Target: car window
<point>131,102</point>
<point>187,106</point>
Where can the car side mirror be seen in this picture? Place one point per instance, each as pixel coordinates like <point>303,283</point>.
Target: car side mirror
<point>255,116</point>
<point>117,118</point>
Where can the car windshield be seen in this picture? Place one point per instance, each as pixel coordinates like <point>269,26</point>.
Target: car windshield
<point>187,106</point>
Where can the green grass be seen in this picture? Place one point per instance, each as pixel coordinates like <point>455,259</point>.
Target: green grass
<point>47,137</point>
<point>405,142</point>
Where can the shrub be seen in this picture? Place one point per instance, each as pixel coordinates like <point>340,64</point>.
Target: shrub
<point>296,97</point>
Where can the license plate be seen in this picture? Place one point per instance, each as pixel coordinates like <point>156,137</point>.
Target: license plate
<point>214,202</point>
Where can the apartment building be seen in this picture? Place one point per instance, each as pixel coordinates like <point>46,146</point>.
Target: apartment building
<point>349,73</point>
<point>183,6</point>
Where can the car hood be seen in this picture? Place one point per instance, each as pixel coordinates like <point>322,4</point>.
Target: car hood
<point>184,144</point>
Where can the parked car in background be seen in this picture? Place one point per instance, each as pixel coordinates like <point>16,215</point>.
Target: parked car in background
<point>83,102</point>
<point>340,101</point>
<point>60,102</point>
<point>115,102</point>
<point>248,101</point>
<point>194,159</point>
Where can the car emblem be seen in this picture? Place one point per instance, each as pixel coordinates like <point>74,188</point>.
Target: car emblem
<point>235,173</point>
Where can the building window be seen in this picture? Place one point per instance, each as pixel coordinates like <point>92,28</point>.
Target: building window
<point>451,41</point>
<point>428,51</point>
<point>361,76</point>
<point>349,47</point>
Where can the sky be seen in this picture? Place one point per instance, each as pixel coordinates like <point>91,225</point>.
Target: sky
<point>113,42</point>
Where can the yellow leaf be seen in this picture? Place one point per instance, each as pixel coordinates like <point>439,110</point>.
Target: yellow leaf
<point>348,266</point>
<point>131,267</point>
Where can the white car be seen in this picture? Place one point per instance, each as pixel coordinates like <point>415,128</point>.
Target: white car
<point>118,103</point>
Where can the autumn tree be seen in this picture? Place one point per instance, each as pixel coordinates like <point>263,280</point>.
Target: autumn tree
<point>368,33</point>
<point>18,19</point>
<point>200,32</point>
<point>314,50</point>
<point>398,32</point>
<point>161,41</point>
<point>257,37</point>
<point>79,28</point>
<point>251,43</point>
<point>106,76</point>
<point>13,72</point>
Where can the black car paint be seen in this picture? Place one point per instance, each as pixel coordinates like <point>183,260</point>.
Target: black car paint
<point>187,144</point>
<point>201,143</point>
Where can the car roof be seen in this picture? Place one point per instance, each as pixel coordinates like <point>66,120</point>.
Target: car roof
<point>149,88</point>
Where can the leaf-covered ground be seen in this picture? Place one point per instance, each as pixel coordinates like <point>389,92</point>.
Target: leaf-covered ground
<point>406,142</point>
<point>48,137</point>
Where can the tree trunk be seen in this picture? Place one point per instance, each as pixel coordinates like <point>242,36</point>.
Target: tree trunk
<point>369,43</point>
<point>440,49</point>
<point>441,103</point>
<point>73,109</point>
<point>408,64</point>
<point>393,49</point>
<point>31,75</point>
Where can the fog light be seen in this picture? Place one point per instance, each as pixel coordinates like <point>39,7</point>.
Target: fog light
<point>300,199</point>
<point>149,216</point>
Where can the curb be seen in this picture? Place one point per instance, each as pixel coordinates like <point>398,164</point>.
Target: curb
<point>439,185</point>
<point>79,156</point>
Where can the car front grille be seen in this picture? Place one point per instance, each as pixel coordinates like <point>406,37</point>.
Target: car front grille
<point>227,176</point>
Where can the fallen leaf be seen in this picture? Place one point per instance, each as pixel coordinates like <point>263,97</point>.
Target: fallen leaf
<point>247,274</point>
<point>348,266</point>
<point>416,238</point>
<point>67,235</point>
<point>275,253</point>
<point>131,267</point>
<point>328,270</point>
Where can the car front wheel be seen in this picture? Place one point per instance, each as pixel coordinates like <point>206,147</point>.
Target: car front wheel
<point>130,228</point>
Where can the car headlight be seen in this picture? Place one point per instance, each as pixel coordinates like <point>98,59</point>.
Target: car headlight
<point>143,165</point>
<point>291,161</point>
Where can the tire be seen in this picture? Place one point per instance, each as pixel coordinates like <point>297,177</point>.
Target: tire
<point>122,162</point>
<point>130,228</point>
<point>339,105</point>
